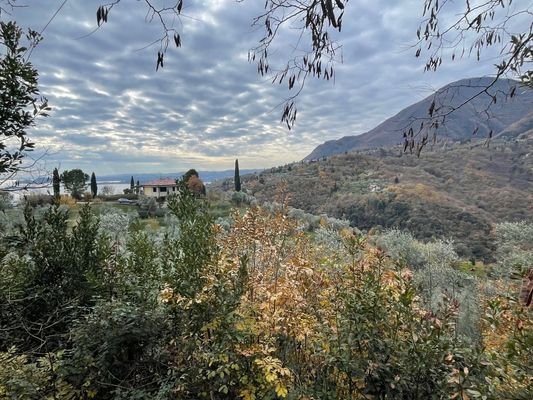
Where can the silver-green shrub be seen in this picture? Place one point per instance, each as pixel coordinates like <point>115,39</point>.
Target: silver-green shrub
<point>514,248</point>
<point>433,265</point>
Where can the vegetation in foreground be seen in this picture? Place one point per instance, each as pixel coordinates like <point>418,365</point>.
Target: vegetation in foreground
<point>259,310</point>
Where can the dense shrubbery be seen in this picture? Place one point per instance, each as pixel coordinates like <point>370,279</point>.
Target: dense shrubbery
<point>435,276</point>
<point>427,220</point>
<point>147,207</point>
<point>6,200</point>
<point>242,198</point>
<point>115,197</point>
<point>306,221</point>
<point>38,199</point>
<point>262,310</point>
<point>515,248</point>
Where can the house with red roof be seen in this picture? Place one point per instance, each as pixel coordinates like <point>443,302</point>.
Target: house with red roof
<point>159,188</point>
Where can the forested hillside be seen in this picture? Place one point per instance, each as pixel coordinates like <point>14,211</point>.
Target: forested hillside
<point>458,192</point>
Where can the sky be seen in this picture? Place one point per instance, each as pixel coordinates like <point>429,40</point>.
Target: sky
<point>113,113</point>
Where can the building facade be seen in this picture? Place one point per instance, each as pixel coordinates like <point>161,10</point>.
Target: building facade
<point>159,188</point>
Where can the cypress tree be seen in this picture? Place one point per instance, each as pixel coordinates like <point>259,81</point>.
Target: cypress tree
<point>138,188</point>
<point>94,186</point>
<point>132,184</point>
<point>55,184</point>
<point>237,177</point>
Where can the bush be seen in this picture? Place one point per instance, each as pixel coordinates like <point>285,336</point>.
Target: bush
<point>115,224</point>
<point>260,310</point>
<point>115,197</point>
<point>401,245</point>
<point>38,199</point>
<point>67,200</point>
<point>514,248</point>
<point>435,274</point>
<point>147,207</point>
<point>242,198</point>
<point>6,200</point>
<point>118,343</point>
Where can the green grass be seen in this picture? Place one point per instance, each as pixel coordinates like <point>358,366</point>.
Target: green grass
<point>479,269</point>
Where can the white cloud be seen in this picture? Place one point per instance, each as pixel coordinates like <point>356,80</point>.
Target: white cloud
<point>112,111</point>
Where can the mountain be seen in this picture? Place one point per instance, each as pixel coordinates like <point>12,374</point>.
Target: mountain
<point>478,115</point>
<point>457,192</point>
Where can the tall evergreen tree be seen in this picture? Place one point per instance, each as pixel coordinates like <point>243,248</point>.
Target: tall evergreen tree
<point>56,183</point>
<point>132,184</point>
<point>94,186</point>
<point>237,177</point>
<point>138,188</point>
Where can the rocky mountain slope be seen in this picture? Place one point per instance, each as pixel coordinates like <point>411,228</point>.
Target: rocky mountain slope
<point>477,118</point>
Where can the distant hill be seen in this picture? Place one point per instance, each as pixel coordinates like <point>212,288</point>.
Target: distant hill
<point>459,192</point>
<point>459,125</point>
<point>206,176</point>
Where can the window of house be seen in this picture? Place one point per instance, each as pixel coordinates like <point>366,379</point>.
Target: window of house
<point>163,189</point>
<point>173,189</point>
<point>154,190</point>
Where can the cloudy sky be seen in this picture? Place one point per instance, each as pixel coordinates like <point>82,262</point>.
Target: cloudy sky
<point>113,113</point>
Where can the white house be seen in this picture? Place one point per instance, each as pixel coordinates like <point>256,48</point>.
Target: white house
<point>159,188</point>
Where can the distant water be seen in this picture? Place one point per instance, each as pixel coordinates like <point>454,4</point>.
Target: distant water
<point>116,188</point>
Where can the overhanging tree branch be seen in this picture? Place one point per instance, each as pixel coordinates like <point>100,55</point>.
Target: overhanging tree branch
<point>20,100</point>
<point>489,24</point>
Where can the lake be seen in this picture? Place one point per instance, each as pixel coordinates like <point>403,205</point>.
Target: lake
<point>115,187</point>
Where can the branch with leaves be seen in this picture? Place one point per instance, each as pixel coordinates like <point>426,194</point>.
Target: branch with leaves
<point>164,14</point>
<point>480,26</point>
<point>315,20</point>
<point>492,23</point>
<point>20,100</point>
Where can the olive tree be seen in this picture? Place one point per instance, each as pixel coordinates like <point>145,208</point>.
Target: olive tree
<point>514,250</point>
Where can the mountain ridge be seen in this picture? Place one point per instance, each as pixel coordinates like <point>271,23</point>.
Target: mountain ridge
<point>478,117</point>
<point>207,176</point>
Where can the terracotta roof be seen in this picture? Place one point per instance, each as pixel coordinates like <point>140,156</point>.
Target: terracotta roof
<point>161,182</point>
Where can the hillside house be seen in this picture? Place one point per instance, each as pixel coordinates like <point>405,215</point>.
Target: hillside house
<point>159,188</point>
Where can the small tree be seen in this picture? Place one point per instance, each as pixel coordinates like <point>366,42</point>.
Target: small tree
<point>94,185</point>
<point>237,177</point>
<point>196,186</point>
<point>192,180</point>
<point>189,173</point>
<point>147,207</point>
<point>75,182</point>
<point>5,200</point>
<point>56,183</point>
<point>107,191</point>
